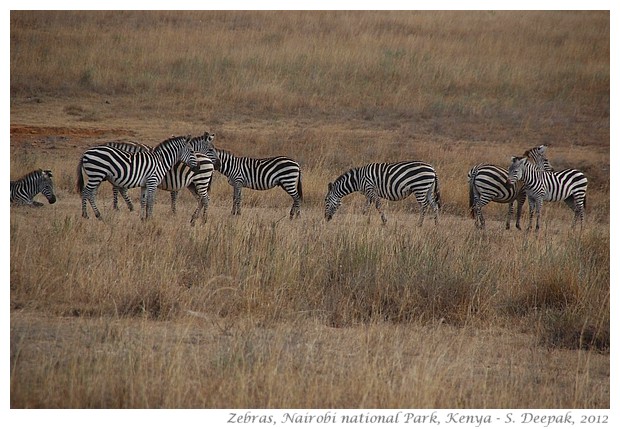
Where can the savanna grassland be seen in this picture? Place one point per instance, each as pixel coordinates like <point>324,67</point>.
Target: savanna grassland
<point>258,311</point>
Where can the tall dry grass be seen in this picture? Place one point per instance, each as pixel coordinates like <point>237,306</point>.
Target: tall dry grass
<point>521,69</point>
<point>258,311</point>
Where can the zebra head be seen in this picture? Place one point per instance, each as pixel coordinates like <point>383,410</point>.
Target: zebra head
<point>515,171</point>
<point>204,144</point>
<point>178,149</point>
<point>332,202</point>
<point>538,156</point>
<point>47,186</point>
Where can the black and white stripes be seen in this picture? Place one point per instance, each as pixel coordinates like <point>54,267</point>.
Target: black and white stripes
<point>261,174</point>
<point>24,189</point>
<point>180,176</point>
<point>489,183</point>
<point>145,169</point>
<point>568,185</point>
<point>390,181</point>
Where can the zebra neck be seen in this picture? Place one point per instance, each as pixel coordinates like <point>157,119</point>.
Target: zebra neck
<point>227,161</point>
<point>532,174</point>
<point>347,184</point>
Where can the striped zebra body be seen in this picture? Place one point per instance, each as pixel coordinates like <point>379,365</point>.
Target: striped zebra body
<point>262,174</point>
<point>24,189</point>
<point>488,183</point>
<point>568,185</point>
<point>389,181</point>
<point>180,176</point>
<point>145,169</point>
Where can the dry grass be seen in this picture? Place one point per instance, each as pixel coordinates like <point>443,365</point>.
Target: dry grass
<point>258,311</point>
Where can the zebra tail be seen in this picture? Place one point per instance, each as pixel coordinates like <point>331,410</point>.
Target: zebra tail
<point>80,179</point>
<point>471,195</point>
<point>437,193</point>
<point>299,190</point>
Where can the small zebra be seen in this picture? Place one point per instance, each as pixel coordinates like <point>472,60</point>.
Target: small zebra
<point>568,185</point>
<point>489,183</point>
<point>129,170</point>
<point>261,174</point>
<point>198,181</point>
<point>24,189</point>
<point>390,181</point>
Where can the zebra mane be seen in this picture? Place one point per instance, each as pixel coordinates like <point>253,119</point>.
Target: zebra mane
<point>349,177</point>
<point>172,140</point>
<point>36,173</point>
<point>536,153</point>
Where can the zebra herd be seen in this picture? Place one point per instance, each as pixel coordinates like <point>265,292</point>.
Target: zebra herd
<point>189,162</point>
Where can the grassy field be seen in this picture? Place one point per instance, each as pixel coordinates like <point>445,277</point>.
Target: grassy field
<point>257,311</point>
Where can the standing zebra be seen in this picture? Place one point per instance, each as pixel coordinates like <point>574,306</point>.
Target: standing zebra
<point>489,183</point>
<point>129,170</point>
<point>24,189</point>
<point>392,182</point>
<point>566,185</point>
<point>261,174</point>
<point>198,180</point>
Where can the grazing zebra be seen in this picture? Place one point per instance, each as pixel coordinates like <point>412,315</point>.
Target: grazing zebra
<point>129,170</point>
<point>198,181</point>
<point>489,183</point>
<point>261,174</point>
<point>568,185</point>
<point>392,182</point>
<point>24,189</point>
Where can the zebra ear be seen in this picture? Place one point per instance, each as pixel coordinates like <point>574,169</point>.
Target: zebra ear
<point>513,159</point>
<point>330,185</point>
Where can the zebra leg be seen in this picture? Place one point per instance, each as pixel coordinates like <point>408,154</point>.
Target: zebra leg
<point>150,200</point>
<point>520,203</point>
<point>422,213</point>
<point>579,212</point>
<point>479,217</point>
<point>142,202</point>
<point>435,207</point>
<point>236,210</point>
<point>114,198</point>
<point>374,198</point>
<point>173,201</point>
<point>538,210</point>
<point>532,204</point>
<point>125,197</point>
<point>89,194</point>
<point>509,215</point>
<point>203,203</point>
<point>296,208</point>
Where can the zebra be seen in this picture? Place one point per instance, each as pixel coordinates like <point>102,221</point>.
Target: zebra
<point>129,170</point>
<point>390,181</point>
<point>568,185</point>
<point>261,174</point>
<point>489,183</point>
<point>180,176</point>
<point>24,189</point>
